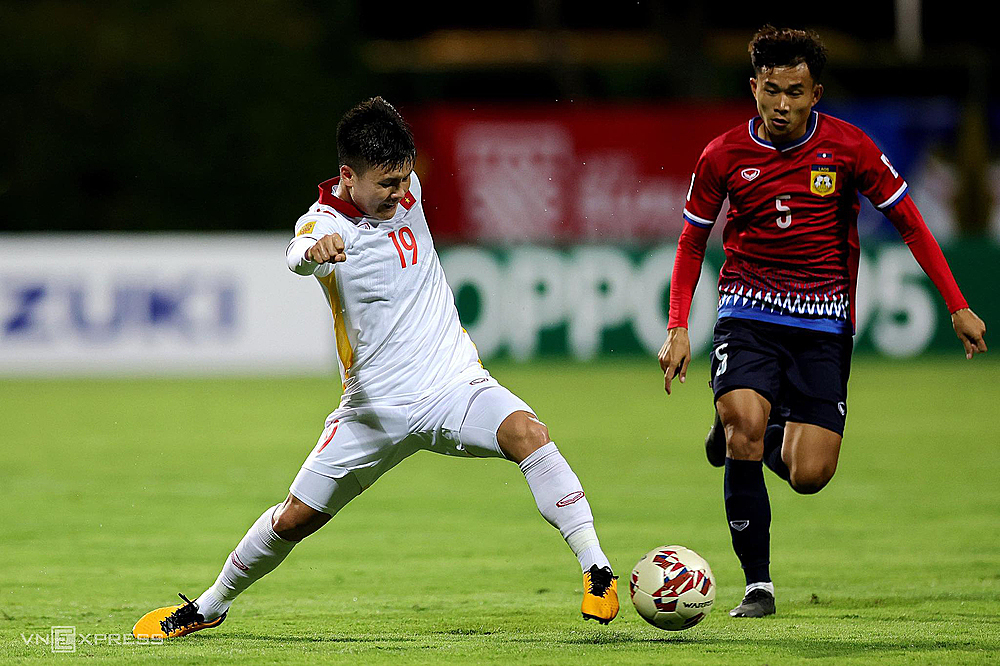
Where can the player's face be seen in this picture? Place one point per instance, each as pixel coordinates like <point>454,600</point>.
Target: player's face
<point>378,190</point>
<point>785,97</point>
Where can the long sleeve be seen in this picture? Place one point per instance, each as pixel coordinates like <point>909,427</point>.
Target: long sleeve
<point>295,255</point>
<point>911,226</point>
<point>309,229</point>
<point>687,269</point>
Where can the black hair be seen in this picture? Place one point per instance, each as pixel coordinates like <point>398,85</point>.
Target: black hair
<point>785,47</point>
<point>373,134</point>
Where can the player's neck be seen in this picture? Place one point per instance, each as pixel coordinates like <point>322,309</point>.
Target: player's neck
<point>763,134</point>
<point>343,192</point>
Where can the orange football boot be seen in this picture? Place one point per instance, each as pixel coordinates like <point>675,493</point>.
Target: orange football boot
<point>173,621</point>
<point>600,595</point>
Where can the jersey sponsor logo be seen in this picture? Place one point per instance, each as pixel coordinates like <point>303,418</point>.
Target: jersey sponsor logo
<point>306,228</point>
<point>739,525</point>
<point>572,498</point>
<point>750,174</point>
<point>823,179</point>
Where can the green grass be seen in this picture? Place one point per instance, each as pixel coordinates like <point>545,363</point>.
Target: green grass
<point>119,493</point>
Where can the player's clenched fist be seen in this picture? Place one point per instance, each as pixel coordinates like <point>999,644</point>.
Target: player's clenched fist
<point>329,248</point>
<point>675,355</point>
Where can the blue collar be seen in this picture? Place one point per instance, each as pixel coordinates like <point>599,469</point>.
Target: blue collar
<point>810,130</point>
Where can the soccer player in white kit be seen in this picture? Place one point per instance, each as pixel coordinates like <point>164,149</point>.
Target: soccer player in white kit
<point>412,376</point>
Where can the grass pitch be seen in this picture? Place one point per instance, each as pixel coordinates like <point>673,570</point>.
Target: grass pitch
<point>119,493</point>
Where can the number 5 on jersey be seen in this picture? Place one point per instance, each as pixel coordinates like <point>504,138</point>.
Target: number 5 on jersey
<point>407,242</point>
<point>787,222</point>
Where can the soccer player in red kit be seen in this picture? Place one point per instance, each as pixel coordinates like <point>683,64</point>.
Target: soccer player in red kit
<point>783,341</point>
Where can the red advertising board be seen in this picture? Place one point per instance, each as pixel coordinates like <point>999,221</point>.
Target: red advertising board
<point>564,172</point>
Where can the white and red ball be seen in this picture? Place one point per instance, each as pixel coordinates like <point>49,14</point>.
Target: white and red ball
<point>672,588</point>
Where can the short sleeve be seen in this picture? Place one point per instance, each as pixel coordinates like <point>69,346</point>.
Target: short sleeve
<point>876,178</point>
<point>708,189</point>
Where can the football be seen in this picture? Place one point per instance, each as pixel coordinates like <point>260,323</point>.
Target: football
<point>672,588</point>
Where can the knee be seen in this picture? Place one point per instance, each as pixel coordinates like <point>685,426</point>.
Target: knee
<point>744,439</point>
<point>807,480</point>
<point>536,435</point>
<point>288,524</point>
<point>294,521</point>
<point>531,435</point>
<point>521,434</point>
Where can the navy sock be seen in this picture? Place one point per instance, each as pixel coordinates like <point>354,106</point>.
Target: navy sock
<point>749,513</point>
<point>773,437</point>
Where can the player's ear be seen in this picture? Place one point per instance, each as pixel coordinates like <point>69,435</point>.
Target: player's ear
<point>347,175</point>
<point>817,93</point>
<point>753,86</point>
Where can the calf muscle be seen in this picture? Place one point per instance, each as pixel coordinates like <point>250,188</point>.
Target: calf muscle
<point>811,453</point>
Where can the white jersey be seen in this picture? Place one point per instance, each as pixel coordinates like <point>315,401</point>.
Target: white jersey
<point>394,316</point>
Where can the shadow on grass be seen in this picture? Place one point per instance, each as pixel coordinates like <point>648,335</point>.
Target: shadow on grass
<point>622,639</point>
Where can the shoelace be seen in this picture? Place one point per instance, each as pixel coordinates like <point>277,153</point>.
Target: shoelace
<point>757,594</point>
<point>182,617</point>
<point>600,581</point>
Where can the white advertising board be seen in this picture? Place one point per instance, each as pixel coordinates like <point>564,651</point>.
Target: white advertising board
<point>110,304</point>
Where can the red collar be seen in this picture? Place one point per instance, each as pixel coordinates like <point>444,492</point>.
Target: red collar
<point>328,197</point>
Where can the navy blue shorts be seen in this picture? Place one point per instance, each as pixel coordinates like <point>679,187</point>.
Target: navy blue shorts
<point>802,373</point>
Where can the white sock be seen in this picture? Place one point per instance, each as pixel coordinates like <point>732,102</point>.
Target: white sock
<point>769,586</point>
<point>561,501</point>
<point>257,554</point>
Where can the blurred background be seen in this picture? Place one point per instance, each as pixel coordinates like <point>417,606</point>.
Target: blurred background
<point>156,155</point>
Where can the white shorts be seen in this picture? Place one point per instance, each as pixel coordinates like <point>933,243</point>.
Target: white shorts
<point>362,442</point>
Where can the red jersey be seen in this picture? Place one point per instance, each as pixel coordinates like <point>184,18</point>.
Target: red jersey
<point>791,237</point>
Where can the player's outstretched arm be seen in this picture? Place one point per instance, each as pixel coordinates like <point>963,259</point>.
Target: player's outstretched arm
<point>675,356</point>
<point>329,248</point>
<point>970,329</point>
<point>911,226</point>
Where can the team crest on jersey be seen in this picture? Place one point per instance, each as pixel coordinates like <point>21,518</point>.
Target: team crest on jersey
<point>750,174</point>
<point>306,228</point>
<point>823,179</point>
